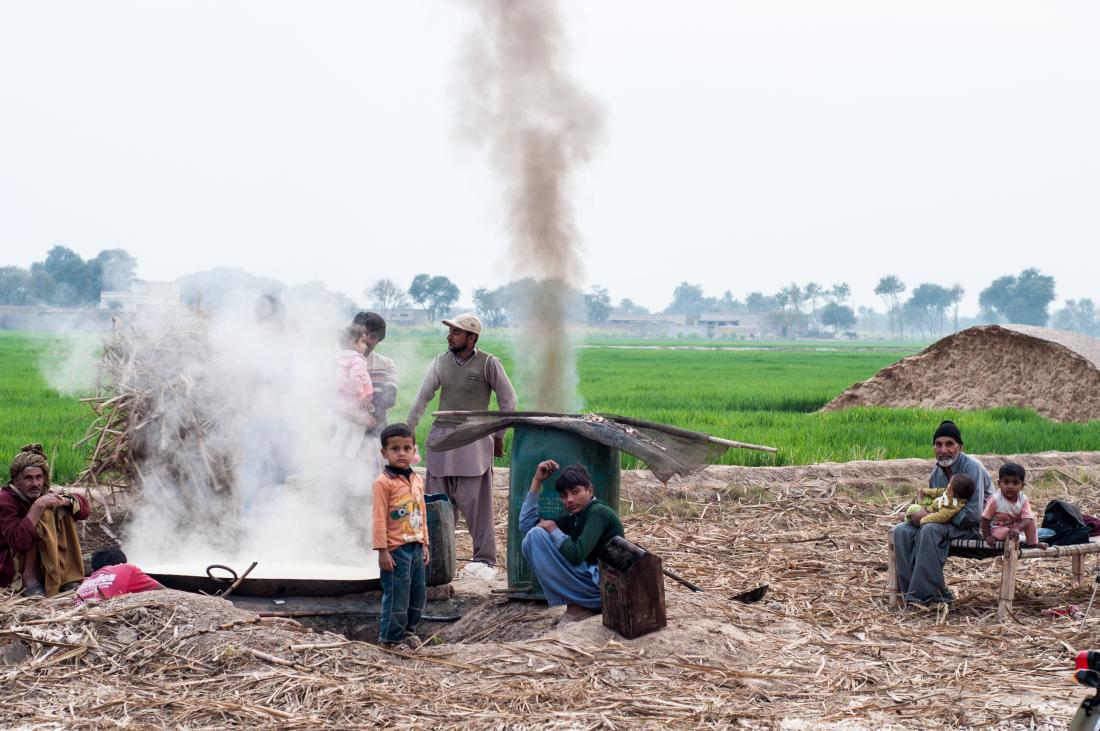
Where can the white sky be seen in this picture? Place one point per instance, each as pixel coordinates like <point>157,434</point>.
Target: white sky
<point>748,144</point>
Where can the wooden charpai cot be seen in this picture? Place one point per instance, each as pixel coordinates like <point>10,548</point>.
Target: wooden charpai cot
<point>1011,555</point>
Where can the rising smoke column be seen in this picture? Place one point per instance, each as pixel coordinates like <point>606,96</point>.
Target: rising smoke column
<point>538,126</point>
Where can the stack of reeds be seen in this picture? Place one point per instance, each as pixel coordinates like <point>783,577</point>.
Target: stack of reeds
<point>156,402</point>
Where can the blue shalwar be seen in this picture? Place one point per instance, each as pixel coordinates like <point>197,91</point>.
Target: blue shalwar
<point>561,581</point>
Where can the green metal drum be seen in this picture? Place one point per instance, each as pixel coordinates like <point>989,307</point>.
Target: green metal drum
<point>531,445</point>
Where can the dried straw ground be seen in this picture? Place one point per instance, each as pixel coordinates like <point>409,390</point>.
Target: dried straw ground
<point>1054,372</point>
<point>820,651</point>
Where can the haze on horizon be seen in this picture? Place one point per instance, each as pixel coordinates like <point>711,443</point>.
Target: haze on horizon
<point>746,145</point>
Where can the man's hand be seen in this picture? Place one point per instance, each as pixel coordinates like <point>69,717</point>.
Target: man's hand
<point>427,556</point>
<point>915,518</point>
<point>920,494</point>
<point>385,560</point>
<point>498,446</point>
<point>547,525</point>
<point>50,500</point>
<point>545,469</point>
<point>990,540</point>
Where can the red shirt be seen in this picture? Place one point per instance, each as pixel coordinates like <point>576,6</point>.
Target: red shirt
<point>111,581</point>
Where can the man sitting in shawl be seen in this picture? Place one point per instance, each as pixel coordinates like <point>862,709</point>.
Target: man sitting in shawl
<point>38,540</point>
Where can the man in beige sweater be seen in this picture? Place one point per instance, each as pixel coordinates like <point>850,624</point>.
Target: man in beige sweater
<point>466,378</point>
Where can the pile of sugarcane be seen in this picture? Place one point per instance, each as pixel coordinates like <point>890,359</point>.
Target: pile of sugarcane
<point>156,407</point>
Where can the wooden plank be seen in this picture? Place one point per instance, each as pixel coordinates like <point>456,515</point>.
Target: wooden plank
<point>1008,576</point>
<point>892,598</point>
<point>1079,569</point>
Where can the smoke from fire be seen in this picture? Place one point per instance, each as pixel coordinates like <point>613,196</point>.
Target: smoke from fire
<point>538,126</point>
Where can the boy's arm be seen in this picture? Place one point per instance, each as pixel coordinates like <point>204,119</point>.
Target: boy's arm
<point>576,551</point>
<point>944,514</point>
<point>932,492</point>
<point>529,513</point>
<point>384,381</point>
<point>381,506</point>
<point>427,392</point>
<point>1025,510</point>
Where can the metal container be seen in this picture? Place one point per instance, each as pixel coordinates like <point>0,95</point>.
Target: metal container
<point>531,445</point>
<point>441,539</point>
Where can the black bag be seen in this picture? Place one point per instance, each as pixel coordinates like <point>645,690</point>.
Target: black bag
<point>1065,520</point>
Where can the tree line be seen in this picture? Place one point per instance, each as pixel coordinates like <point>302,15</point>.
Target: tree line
<point>65,279</point>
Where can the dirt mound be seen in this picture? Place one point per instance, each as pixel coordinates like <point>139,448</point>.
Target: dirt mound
<point>1054,372</point>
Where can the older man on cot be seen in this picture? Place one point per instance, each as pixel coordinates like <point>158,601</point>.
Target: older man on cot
<point>38,539</point>
<point>921,552</point>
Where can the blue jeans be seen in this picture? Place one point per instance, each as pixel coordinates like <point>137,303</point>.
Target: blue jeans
<point>404,593</point>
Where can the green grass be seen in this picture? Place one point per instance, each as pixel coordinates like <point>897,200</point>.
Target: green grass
<point>33,411</point>
<point>763,396</point>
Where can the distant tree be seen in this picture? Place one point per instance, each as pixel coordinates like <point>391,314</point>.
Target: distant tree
<point>839,294</point>
<point>957,293</point>
<point>791,296</point>
<point>627,307</point>
<point>926,306</point>
<point>786,322</point>
<point>687,299</point>
<point>490,305</point>
<point>435,294</point>
<point>1079,316</point>
<point>837,316</point>
<point>387,296</point>
<point>597,305</point>
<point>729,303</point>
<point>1023,299</point>
<point>890,288</point>
<point>761,303</point>
<point>77,281</point>
<point>15,286</point>
<point>813,294</point>
<point>316,292</point>
<point>117,269</point>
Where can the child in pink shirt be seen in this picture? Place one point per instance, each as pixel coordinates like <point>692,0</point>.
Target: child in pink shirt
<point>353,377</point>
<point>1008,511</point>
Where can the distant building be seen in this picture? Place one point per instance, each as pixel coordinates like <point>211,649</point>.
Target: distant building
<point>141,296</point>
<point>408,316</point>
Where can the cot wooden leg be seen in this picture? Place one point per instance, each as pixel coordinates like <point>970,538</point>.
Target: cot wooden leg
<point>1008,576</point>
<point>892,599</point>
<point>1079,569</point>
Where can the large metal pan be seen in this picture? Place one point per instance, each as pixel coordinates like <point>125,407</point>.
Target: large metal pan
<point>217,578</point>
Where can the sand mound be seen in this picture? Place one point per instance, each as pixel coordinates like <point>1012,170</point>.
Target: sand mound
<point>1054,372</point>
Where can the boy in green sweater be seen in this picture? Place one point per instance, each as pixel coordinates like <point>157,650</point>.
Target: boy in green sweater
<point>563,552</point>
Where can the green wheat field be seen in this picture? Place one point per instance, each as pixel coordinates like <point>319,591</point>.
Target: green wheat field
<point>762,393</point>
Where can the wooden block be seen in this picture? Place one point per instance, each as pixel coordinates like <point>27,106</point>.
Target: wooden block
<point>1010,558</point>
<point>892,597</point>
<point>632,589</point>
<point>440,592</point>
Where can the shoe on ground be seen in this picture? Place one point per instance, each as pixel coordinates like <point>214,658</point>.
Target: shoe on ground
<point>70,586</point>
<point>33,590</point>
<point>413,642</point>
<point>479,571</point>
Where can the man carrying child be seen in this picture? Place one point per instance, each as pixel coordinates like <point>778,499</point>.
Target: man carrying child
<point>921,550</point>
<point>400,530</point>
